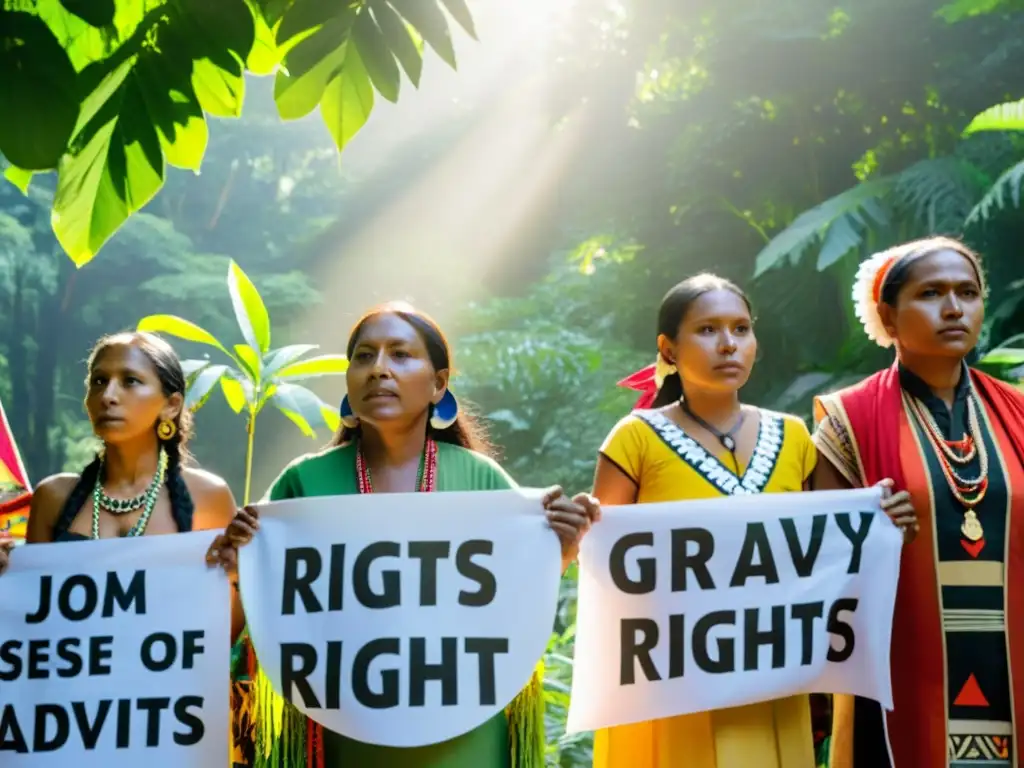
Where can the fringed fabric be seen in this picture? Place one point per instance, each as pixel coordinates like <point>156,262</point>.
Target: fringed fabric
<point>285,738</point>
<point>526,734</point>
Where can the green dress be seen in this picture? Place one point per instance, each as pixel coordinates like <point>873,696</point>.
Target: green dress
<point>513,738</point>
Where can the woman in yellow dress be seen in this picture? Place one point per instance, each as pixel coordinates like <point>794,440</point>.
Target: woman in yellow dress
<point>706,349</point>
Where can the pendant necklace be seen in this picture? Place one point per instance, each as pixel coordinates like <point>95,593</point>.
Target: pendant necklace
<point>969,492</point>
<point>727,439</point>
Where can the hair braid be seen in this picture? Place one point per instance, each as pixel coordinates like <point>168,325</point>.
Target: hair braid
<point>79,495</point>
<point>182,506</point>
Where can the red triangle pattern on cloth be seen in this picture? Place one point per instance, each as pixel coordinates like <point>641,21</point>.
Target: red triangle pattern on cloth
<point>970,695</point>
<point>973,547</point>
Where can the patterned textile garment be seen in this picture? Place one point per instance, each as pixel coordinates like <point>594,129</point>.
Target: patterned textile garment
<point>958,620</point>
<point>284,738</point>
<point>669,465</point>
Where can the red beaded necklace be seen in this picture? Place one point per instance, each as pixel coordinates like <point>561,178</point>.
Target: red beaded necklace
<point>968,491</point>
<point>426,482</point>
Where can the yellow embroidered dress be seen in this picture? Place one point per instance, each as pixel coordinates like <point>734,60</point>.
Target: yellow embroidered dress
<point>669,465</point>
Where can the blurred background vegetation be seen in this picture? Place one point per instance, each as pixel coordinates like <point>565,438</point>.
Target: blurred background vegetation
<point>539,200</point>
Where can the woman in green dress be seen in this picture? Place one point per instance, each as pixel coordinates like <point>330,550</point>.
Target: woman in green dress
<point>402,431</point>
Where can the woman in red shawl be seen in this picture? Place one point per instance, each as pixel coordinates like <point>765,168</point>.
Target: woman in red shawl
<point>953,439</point>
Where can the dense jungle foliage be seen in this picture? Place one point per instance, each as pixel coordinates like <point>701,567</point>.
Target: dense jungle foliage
<point>539,201</point>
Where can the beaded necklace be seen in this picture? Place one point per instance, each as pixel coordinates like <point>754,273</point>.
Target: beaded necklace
<point>146,500</point>
<point>969,492</point>
<point>426,479</point>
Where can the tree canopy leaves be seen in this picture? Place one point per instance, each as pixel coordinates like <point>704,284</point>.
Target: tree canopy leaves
<point>107,94</point>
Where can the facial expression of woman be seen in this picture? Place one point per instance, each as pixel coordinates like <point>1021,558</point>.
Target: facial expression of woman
<point>715,347</point>
<point>124,397</point>
<point>939,310</point>
<point>390,377</point>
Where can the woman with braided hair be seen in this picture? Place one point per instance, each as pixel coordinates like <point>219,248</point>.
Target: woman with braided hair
<point>139,484</point>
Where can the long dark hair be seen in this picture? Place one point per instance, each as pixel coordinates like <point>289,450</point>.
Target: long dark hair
<point>172,379</point>
<point>467,431</point>
<point>672,312</point>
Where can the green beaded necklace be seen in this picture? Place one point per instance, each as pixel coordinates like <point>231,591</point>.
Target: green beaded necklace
<point>146,500</point>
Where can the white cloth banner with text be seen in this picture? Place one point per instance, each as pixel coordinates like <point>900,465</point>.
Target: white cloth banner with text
<point>401,619</point>
<point>115,654</point>
<point>700,605</point>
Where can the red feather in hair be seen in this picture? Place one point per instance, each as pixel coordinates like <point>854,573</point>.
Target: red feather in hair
<point>642,381</point>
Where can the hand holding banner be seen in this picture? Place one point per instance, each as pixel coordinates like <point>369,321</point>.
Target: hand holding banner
<point>700,605</point>
<point>107,659</point>
<point>401,619</point>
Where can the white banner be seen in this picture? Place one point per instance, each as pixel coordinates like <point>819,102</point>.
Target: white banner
<point>692,606</point>
<point>401,619</point>
<point>115,654</point>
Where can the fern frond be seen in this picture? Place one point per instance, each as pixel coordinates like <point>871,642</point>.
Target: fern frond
<point>1010,181</point>
<point>838,225</point>
<point>939,193</point>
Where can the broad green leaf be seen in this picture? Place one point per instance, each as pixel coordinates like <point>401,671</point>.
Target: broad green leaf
<point>217,27</point>
<point>202,385</point>
<point>103,82</point>
<point>1004,356</point>
<point>460,12</point>
<point>348,100</point>
<point>376,55</point>
<point>250,311</point>
<point>322,365</point>
<point>295,417</point>
<point>265,54</point>
<point>283,356</point>
<point>96,13</point>
<point>38,100</point>
<point>182,329</point>
<point>221,89</point>
<point>331,416</point>
<point>191,367</point>
<point>309,67</point>
<point>117,171</point>
<point>234,393</point>
<point>1001,117</point>
<point>305,15</point>
<point>302,406</point>
<point>407,49</point>
<point>250,360</point>
<point>174,107</point>
<point>19,177</point>
<point>429,20</point>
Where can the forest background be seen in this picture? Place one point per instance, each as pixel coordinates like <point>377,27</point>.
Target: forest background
<point>538,200</point>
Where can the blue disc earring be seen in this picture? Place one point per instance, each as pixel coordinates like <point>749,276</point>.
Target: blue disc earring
<point>348,418</point>
<point>445,412</point>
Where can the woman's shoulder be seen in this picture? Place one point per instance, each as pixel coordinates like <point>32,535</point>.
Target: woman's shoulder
<point>467,456</point>
<point>55,489</point>
<point>211,496</point>
<point>204,484</point>
<point>48,500</point>
<point>318,460</point>
<point>477,469</point>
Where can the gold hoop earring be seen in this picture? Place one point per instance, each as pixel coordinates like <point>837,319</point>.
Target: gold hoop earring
<point>166,430</point>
